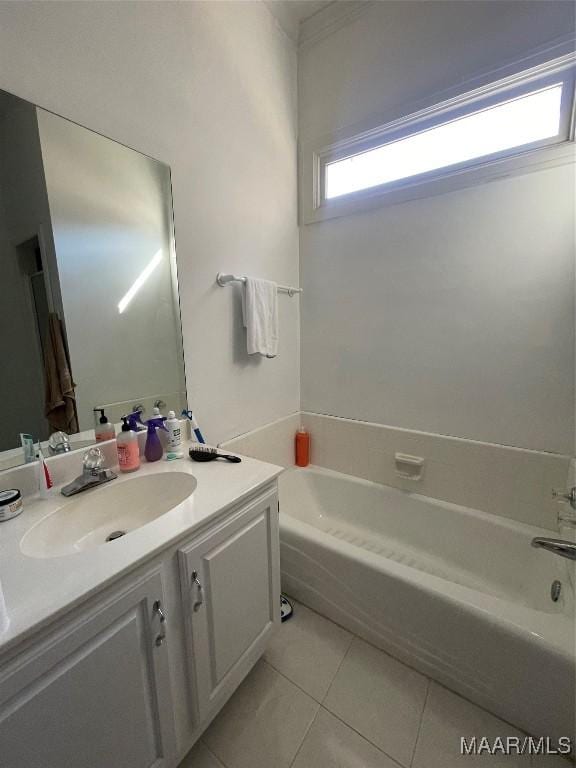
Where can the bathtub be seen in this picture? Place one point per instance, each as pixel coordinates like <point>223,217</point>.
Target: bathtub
<point>456,593</point>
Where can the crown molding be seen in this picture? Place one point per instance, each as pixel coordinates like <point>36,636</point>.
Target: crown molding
<point>284,22</point>
<point>330,19</point>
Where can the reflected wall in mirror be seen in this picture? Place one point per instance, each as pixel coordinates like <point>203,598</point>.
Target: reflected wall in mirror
<point>89,316</point>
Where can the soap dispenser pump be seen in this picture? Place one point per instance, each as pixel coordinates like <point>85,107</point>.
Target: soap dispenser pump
<point>154,449</point>
<point>128,447</point>
<point>104,430</point>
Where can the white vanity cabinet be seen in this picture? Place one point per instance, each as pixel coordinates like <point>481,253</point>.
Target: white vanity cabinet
<point>231,599</point>
<point>95,693</point>
<point>132,676</point>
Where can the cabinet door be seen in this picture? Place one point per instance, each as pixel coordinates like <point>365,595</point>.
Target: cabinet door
<point>231,593</point>
<point>96,695</point>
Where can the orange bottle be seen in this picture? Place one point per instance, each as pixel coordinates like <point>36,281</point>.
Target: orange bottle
<point>302,448</point>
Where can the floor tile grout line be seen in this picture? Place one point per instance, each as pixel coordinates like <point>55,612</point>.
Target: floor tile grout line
<point>365,738</point>
<point>352,637</point>
<point>391,655</point>
<point>282,674</point>
<point>318,707</point>
<point>305,735</point>
<point>214,755</point>
<point>323,705</point>
<point>421,722</point>
<point>289,679</point>
<point>356,636</point>
<point>326,709</point>
<point>429,681</point>
<point>338,717</point>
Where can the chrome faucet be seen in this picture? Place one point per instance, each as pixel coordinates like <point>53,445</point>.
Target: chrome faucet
<point>93,473</point>
<point>569,496</point>
<point>556,546</point>
<point>561,547</point>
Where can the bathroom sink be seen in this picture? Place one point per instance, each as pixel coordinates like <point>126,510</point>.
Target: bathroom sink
<point>103,515</point>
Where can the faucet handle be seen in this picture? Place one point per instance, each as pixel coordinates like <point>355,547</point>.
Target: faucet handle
<point>569,496</point>
<point>93,462</point>
<point>59,442</point>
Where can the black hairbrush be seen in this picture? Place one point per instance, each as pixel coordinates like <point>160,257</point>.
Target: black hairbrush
<point>205,453</point>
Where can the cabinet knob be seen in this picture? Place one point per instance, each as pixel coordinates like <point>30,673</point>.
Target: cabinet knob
<point>199,592</point>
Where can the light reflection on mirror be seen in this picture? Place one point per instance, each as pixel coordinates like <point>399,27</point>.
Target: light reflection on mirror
<point>139,282</point>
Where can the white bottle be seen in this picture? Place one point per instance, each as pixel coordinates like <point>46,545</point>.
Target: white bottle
<point>174,436</point>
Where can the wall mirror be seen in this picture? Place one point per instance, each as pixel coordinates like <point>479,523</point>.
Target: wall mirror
<point>89,316</point>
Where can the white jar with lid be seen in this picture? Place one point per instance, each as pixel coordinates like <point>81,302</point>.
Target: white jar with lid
<point>10,504</point>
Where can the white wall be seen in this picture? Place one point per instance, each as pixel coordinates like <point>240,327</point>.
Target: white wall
<point>208,88</point>
<point>452,314</point>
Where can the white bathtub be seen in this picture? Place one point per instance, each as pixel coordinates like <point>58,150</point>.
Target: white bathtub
<point>456,593</point>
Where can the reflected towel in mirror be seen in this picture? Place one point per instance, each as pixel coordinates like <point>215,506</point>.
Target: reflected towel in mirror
<point>60,405</point>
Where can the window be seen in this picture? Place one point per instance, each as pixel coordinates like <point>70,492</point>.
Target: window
<point>509,125</point>
<point>500,127</point>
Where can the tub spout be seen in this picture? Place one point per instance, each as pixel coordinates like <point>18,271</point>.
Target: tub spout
<point>556,546</point>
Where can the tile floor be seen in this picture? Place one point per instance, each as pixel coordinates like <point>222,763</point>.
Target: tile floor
<point>323,698</point>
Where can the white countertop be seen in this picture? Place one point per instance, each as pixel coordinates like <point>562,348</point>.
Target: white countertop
<point>37,590</point>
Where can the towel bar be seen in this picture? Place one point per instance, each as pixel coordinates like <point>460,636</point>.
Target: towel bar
<point>223,278</point>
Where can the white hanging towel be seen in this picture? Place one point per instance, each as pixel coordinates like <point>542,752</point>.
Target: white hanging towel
<point>260,310</point>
